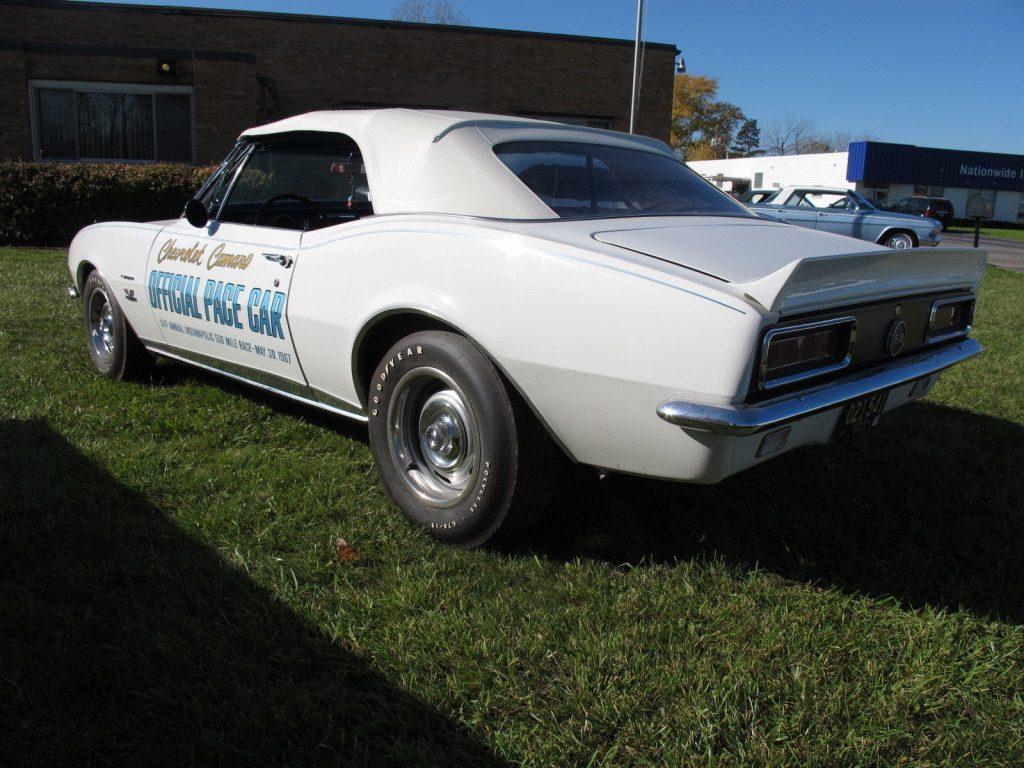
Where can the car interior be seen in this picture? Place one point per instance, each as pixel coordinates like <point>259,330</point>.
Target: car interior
<point>298,182</point>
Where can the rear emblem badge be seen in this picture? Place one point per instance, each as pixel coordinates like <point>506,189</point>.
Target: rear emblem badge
<point>897,338</point>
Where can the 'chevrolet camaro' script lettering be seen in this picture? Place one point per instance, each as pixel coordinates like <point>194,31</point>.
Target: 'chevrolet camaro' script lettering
<point>170,251</point>
<point>195,253</point>
<point>223,258</point>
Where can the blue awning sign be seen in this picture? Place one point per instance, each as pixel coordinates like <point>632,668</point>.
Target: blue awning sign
<point>880,163</point>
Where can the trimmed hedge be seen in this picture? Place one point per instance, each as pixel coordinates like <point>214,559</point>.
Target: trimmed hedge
<point>47,203</point>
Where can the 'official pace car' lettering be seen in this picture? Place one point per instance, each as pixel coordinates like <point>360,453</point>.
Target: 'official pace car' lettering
<point>222,298</point>
<point>221,302</point>
<point>265,315</point>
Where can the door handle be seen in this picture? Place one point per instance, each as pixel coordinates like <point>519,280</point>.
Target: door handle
<point>280,258</point>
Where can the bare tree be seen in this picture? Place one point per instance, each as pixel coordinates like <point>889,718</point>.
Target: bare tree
<point>788,136</point>
<point>840,141</point>
<point>429,12</point>
<point>814,144</point>
<point>797,136</point>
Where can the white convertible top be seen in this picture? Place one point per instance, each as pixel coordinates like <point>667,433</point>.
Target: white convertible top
<point>436,161</point>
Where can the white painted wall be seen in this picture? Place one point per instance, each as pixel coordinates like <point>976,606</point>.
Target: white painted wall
<point>827,169</point>
<point>958,197</point>
<point>898,191</point>
<point>1007,205</point>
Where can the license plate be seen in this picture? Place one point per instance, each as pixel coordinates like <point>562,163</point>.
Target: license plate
<point>862,413</point>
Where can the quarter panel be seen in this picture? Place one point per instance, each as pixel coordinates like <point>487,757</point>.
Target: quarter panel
<point>594,347</point>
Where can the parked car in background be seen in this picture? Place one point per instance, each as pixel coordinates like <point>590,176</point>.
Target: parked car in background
<point>846,212</point>
<point>931,207</point>
<point>488,291</point>
<point>755,196</point>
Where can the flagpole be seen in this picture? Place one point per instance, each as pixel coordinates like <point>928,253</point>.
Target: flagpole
<point>633,102</point>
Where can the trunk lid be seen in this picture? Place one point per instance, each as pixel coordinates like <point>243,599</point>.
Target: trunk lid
<point>789,269</point>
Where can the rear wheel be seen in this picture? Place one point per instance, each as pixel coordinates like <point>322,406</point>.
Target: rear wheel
<point>899,240</point>
<point>114,348</point>
<point>458,453</point>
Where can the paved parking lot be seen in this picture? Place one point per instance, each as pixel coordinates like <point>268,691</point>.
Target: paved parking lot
<point>1003,253</point>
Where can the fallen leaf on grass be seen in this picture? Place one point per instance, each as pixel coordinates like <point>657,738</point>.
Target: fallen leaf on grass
<point>346,551</point>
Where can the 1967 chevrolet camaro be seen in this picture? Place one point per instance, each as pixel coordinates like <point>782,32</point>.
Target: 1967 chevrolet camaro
<point>489,291</point>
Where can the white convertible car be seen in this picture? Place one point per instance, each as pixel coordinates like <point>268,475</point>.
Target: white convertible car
<point>488,291</point>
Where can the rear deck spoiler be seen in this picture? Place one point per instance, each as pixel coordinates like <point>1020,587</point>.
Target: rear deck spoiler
<point>819,282</point>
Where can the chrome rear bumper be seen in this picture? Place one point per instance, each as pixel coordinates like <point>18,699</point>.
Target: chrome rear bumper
<point>748,419</point>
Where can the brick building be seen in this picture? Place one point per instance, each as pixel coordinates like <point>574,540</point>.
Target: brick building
<point>101,81</point>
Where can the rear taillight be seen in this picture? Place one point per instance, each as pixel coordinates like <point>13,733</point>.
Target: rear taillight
<point>929,211</point>
<point>797,352</point>
<point>949,319</point>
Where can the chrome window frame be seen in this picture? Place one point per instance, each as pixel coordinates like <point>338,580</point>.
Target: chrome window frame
<point>939,303</point>
<point>243,160</point>
<point>231,156</point>
<point>766,384</point>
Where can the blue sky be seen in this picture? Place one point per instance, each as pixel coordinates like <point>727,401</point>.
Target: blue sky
<point>927,72</point>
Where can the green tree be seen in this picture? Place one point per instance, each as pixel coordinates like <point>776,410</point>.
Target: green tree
<point>748,140</point>
<point>703,127</point>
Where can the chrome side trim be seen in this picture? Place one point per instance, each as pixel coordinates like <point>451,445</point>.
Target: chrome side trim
<point>929,339</point>
<point>268,382</point>
<point>327,400</point>
<point>764,383</point>
<point>748,419</point>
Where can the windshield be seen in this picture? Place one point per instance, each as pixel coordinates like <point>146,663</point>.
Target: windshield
<point>580,180</point>
<point>862,202</point>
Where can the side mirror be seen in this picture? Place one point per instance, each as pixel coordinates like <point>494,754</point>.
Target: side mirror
<point>196,214</point>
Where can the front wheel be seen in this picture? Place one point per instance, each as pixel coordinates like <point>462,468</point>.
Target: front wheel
<point>899,240</point>
<point>458,453</point>
<point>115,350</point>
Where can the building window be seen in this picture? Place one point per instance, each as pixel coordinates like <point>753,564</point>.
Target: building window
<point>758,180</point>
<point>927,190</point>
<point>96,121</point>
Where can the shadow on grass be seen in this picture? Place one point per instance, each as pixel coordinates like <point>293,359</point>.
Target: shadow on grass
<point>170,373</point>
<point>928,509</point>
<point>124,641</point>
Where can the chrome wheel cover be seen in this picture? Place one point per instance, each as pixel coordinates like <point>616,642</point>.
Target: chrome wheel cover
<point>433,437</point>
<point>900,241</point>
<point>101,325</point>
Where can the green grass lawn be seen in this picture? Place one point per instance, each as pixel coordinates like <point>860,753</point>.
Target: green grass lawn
<point>1005,234</point>
<point>170,591</point>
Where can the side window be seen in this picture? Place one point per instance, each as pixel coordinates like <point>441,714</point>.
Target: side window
<point>300,181</point>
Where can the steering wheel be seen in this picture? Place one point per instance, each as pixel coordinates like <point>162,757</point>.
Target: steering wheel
<point>313,207</point>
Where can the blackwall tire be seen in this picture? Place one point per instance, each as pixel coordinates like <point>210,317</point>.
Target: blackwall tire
<point>457,451</point>
<point>115,350</point>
